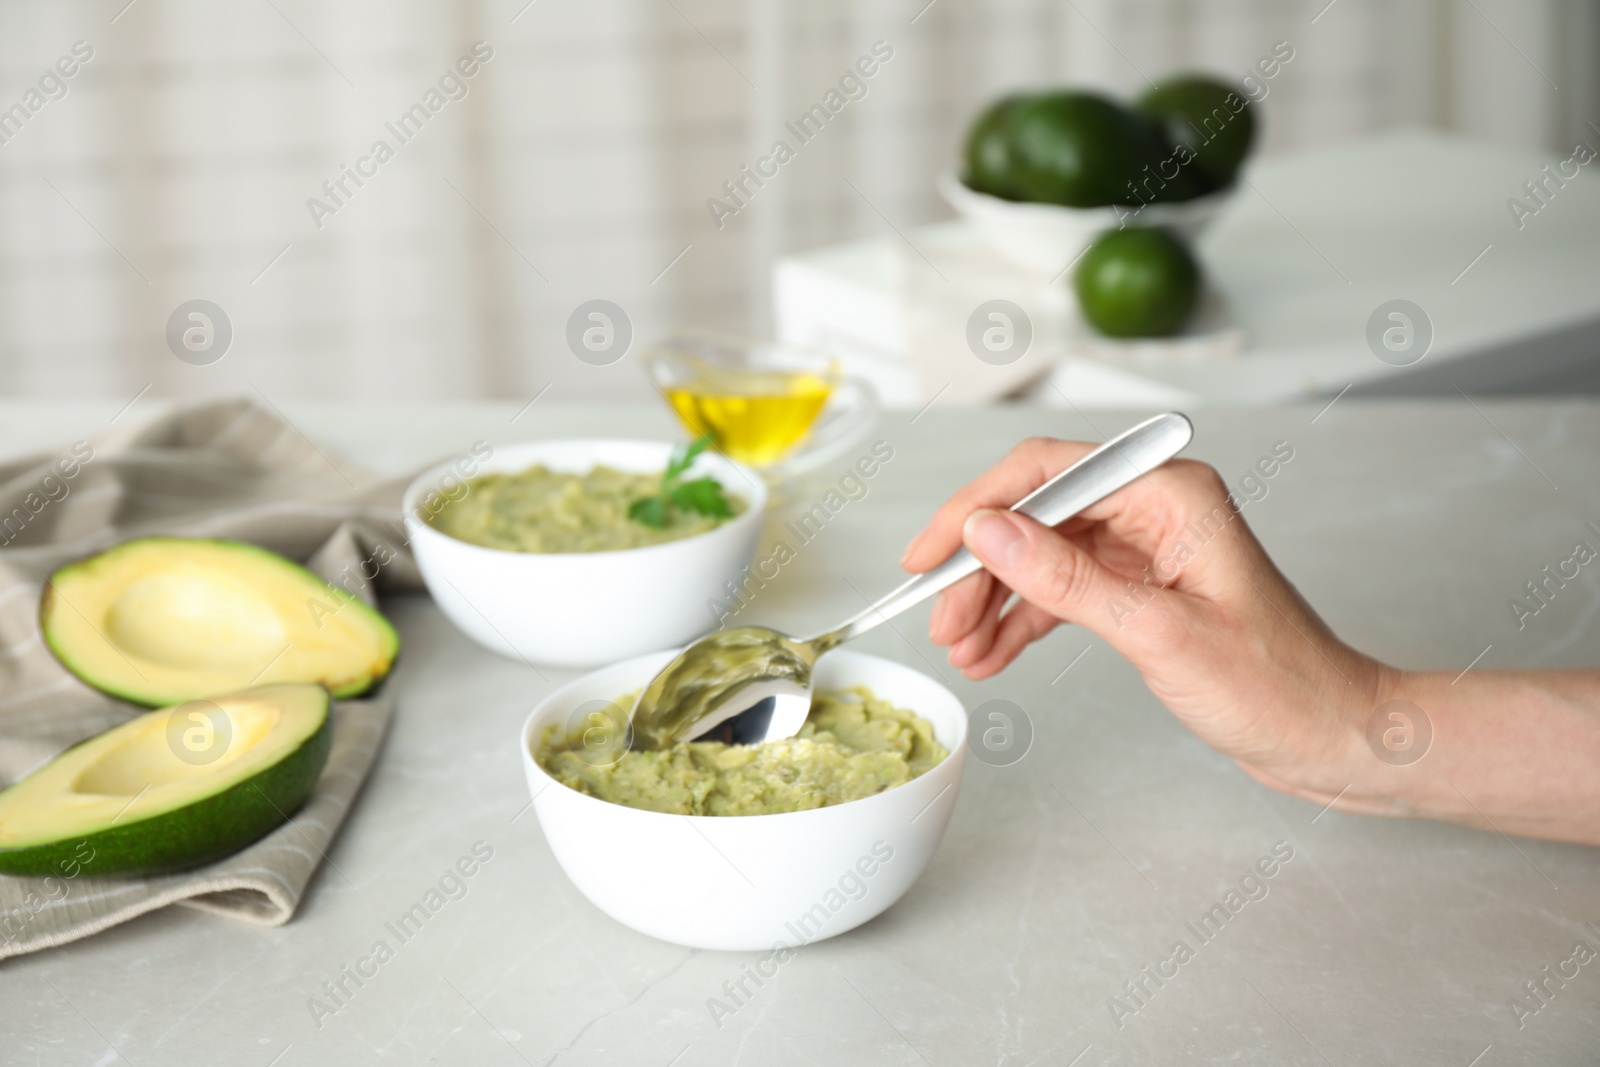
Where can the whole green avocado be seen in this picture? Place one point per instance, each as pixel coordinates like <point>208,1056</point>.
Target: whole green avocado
<point>1138,282</point>
<point>1211,118</point>
<point>1173,175</point>
<point>1079,149</point>
<point>988,152</point>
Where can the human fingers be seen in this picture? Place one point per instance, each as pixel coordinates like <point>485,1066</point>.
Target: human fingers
<point>959,608</point>
<point>1046,569</point>
<point>975,643</point>
<point>1022,625</point>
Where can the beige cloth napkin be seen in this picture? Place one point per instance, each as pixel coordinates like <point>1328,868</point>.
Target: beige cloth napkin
<point>223,469</point>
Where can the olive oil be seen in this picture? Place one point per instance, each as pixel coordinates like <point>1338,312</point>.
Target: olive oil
<point>754,416</point>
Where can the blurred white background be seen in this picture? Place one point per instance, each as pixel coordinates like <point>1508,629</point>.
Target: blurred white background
<point>179,162</point>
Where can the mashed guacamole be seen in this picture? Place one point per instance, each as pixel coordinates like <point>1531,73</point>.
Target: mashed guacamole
<point>852,745</point>
<point>541,510</point>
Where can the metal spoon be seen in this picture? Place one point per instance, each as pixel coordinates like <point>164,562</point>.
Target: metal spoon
<point>752,684</point>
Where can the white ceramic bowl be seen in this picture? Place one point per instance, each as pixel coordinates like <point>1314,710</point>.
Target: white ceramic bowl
<point>580,609</point>
<point>751,882</point>
<point>1048,237</point>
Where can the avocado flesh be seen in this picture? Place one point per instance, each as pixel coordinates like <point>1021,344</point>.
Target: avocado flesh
<point>161,620</point>
<point>171,789</point>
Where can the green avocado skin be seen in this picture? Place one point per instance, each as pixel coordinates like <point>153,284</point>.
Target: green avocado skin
<point>1079,149</point>
<point>1138,283</point>
<point>989,163</point>
<point>1197,111</point>
<point>1163,178</point>
<point>189,836</point>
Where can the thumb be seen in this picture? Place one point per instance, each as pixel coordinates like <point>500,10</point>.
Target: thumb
<point>1039,565</point>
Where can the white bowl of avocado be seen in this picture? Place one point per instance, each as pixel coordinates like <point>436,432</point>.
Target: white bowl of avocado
<point>1044,173</point>
<point>749,882</point>
<point>580,552</point>
<point>1050,237</point>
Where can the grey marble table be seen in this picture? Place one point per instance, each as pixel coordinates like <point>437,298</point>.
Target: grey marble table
<point>1062,878</point>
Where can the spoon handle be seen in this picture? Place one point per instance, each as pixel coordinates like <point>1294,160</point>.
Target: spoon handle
<point>1116,463</point>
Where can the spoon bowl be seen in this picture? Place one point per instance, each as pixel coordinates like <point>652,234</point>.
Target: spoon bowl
<point>741,686</point>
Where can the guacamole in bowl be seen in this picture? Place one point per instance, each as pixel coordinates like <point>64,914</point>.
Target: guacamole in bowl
<point>544,510</point>
<point>852,745</point>
<point>507,583</point>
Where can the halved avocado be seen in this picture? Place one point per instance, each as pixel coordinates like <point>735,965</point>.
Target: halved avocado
<point>161,620</point>
<point>171,789</point>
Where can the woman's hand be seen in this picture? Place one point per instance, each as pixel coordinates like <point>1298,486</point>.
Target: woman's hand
<point>1167,572</point>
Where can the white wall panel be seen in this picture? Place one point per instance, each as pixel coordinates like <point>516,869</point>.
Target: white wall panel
<point>179,162</point>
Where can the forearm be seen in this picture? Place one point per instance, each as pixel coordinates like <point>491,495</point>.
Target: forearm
<point>1512,751</point>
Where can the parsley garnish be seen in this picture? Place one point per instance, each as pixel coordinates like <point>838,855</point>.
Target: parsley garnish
<point>701,495</point>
